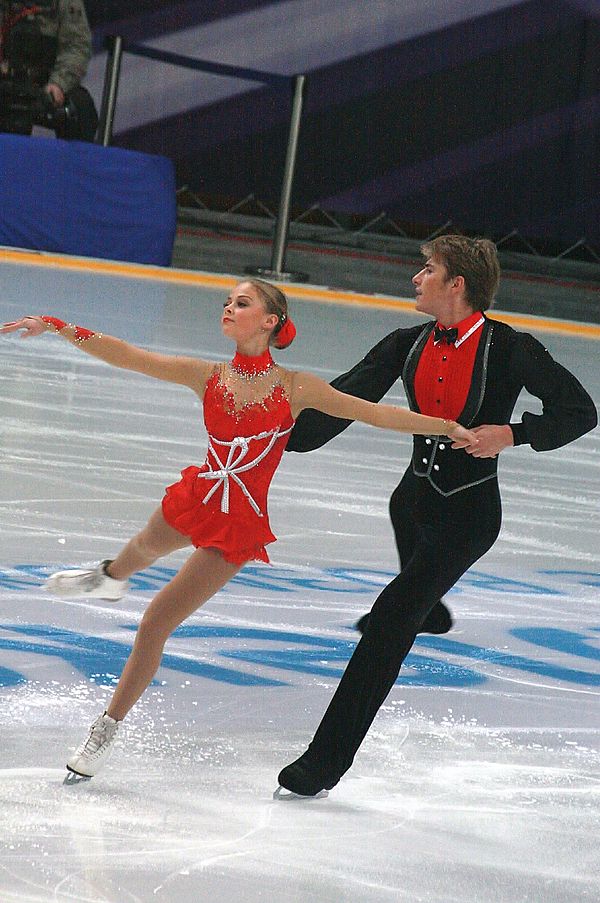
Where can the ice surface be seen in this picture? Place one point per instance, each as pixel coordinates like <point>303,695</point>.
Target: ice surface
<point>480,780</point>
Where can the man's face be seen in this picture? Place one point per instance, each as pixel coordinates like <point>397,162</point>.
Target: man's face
<point>432,288</point>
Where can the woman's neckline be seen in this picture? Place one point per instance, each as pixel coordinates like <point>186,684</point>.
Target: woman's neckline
<point>252,365</point>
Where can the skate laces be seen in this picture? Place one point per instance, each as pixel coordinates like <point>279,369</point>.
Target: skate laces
<point>102,731</point>
<point>94,579</point>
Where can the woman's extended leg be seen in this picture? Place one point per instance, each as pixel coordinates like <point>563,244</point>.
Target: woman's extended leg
<point>108,580</point>
<point>155,540</point>
<point>205,572</point>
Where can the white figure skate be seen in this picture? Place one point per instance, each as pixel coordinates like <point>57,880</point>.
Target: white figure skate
<point>95,583</point>
<point>89,758</point>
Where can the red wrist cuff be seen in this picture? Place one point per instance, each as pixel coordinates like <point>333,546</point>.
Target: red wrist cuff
<point>81,334</point>
<point>53,321</point>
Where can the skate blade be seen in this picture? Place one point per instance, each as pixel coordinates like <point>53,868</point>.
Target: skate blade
<point>72,777</point>
<point>286,795</point>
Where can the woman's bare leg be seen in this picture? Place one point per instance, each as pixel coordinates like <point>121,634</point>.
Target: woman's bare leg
<point>205,572</point>
<point>155,540</point>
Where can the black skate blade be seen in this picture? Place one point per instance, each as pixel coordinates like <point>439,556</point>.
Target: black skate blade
<point>286,795</point>
<point>73,777</point>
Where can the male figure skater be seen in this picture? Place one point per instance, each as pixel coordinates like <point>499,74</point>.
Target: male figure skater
<point>446,511</point>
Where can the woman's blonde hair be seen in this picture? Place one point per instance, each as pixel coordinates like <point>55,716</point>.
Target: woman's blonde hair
<point>275,303</point>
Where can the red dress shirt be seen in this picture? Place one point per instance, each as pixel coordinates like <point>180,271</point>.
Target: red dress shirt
<point>444,372</point>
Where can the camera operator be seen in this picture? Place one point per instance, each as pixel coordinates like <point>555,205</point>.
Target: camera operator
<point>45,48</point>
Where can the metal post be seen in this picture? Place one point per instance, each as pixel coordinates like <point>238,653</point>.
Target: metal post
<point>276,271</point>
<point>114,44</point>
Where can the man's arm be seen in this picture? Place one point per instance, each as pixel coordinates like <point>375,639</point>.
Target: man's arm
<point>568,411</point>
<point>370,379</point>
<point>74,46</point>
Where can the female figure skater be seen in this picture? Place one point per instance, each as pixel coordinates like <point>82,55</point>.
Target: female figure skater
<point>220,508</point>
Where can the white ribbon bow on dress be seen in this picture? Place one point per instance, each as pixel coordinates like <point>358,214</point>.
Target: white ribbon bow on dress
<point>233,466</point>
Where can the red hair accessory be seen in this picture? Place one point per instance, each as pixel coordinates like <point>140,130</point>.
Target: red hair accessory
<point>286,334</point>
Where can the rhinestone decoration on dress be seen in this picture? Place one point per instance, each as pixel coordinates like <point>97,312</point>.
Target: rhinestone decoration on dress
<point>250,381</point>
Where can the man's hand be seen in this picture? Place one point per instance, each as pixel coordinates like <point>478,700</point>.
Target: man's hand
<point>492,439</point>
<point>57,94</point>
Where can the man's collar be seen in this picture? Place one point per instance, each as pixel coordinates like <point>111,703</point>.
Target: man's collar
<point>464,325</point>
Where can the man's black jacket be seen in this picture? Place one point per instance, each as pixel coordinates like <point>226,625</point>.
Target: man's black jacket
<point>507,361</point>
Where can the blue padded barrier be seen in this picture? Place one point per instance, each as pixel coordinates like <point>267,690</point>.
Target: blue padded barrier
<point>87,200</point>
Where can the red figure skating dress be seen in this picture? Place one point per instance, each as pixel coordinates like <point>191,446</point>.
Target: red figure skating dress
<point>223,504</point>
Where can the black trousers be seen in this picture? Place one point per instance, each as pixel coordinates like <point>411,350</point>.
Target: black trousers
<point>438,539</point>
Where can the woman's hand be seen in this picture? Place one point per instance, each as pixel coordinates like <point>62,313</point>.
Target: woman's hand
<point>463,438</point>
<point>32,326</point>
<point>491,440</point>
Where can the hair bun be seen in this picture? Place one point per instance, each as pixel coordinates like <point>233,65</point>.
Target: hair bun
<point>286,334</point>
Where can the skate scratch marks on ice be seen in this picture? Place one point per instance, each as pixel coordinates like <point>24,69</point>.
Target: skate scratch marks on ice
<point>202,864</point>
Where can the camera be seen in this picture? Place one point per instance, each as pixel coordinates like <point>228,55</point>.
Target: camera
<point>22,106</point>
<point>28,58</point>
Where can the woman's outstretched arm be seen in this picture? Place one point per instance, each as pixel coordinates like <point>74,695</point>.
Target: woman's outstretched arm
<point>187,371</point>
<point>309,391</point>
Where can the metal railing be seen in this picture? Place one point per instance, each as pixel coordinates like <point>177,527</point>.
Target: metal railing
<point>380,224</point>
<point>117,46</point>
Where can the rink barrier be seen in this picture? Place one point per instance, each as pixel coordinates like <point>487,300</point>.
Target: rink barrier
<point>315,294</point>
